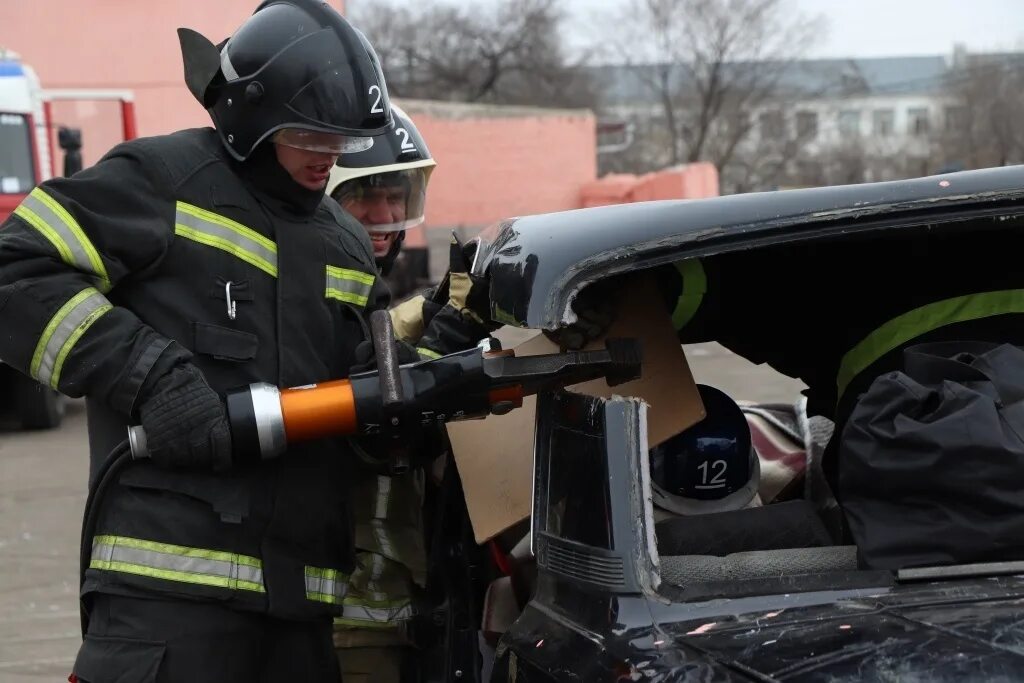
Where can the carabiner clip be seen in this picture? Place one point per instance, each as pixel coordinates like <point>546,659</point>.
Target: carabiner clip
<point>232,306</point>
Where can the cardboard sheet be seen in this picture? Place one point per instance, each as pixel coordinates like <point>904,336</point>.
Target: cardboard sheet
<point>495,455</point>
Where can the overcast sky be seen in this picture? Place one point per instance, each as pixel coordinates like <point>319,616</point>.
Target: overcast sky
<point>870,28</point>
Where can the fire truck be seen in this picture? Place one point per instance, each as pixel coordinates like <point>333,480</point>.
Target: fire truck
<point>27,133</point>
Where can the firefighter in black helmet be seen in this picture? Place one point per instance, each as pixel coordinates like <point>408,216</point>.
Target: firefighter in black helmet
<point>180,266</point>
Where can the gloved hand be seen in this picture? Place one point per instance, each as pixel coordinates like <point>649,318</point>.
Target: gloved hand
<point>595,313</point>
<point>366,357</point>
<point>185,421</point>
<point>467,293</point>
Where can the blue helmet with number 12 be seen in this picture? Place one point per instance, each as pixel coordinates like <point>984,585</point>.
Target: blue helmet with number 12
<point>709,467</point>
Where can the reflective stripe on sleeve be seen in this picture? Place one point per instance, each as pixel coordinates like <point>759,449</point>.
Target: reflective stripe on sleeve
<point>919,321</point>
<point>350,286</point>
<point>177,563</point>
<point>62,333</point>
<point>326,585</point>
<point>695,285</point>
<point>60,228</point>
<point>219,232</point>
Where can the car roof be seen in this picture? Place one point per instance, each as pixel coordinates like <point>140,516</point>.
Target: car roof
<point>538,263</point>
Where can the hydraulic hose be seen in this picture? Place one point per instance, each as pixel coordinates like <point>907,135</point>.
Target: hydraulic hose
<point>108,472</point>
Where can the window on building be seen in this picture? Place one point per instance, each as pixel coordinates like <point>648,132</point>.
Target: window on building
<point>884,122</point>
<point>918,121</point>
<point>772,125</point>
<point>849,123</point>
<point>956,118</point>
<point>807,125</point>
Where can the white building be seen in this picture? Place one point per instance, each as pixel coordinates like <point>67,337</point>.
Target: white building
<point>832,120</point>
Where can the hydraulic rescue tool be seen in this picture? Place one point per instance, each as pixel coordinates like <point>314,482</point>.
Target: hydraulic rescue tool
<point>396,401</point>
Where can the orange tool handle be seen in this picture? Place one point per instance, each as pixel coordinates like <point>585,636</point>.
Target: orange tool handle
<point>319,410</point>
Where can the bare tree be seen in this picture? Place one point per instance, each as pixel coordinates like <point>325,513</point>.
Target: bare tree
<point>509,52</point>
<point>709,64</point>
<point>985,107</point>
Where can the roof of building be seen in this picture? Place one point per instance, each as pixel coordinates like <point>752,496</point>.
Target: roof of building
<point>474,110</point>
<point>810,77</point>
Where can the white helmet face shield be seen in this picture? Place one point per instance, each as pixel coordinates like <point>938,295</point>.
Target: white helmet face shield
<point>392,201</point>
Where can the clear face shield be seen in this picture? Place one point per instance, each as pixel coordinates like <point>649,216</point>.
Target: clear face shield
<point>324,143</point>
<point>387,202</point>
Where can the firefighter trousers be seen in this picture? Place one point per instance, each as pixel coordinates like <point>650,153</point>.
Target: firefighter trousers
<point>162,641</point>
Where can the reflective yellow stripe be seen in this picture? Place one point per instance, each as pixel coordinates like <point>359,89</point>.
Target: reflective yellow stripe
<point>695,286</point>
<point>919,321</point>
<point>60,228</point>
<point>326,585</point>
<point>352,623</point>
<point>63,331</point>
<point>212,230</point>
<point>350,286</point>
<point>427,353</point>
<point>348,274</point>
<point>177,563</point>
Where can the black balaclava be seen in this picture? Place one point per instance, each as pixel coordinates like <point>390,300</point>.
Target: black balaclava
<point>285,196</point>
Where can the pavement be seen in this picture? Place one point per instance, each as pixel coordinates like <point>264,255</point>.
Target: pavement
<point>43,479</point>
<point>43,489</point>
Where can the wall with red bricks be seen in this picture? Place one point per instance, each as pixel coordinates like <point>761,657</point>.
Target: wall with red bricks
<point>493,162</point>
<point>117,44</point>
<point>497,162</point>
<point>690,181</point>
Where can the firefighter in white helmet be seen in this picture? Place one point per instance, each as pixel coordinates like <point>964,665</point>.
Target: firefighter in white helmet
<point>384,188</point>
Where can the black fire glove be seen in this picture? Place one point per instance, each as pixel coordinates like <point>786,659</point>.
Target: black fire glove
<point>366,357</point>
<point>185,421</point>
<point>595,313</point>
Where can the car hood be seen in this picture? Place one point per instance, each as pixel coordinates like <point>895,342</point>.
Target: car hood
<point>956,632</point>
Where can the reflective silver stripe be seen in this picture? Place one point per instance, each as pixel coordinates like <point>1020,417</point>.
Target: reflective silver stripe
<point>177,563</point>
<point>62,332</point>
<point>350,286</point>
<point>53,221</point>
<point>373,587</point>
<point>396,612</point>
<point>226,67</point>
<point>383,496</point>
<point>219,232</point>
<point>326,585</point>
<point>380,533</point>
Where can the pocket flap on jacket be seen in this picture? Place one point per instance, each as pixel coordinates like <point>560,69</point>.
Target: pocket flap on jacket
<point>227,499</point>
<point>103,659</point>
<point>224,343</point>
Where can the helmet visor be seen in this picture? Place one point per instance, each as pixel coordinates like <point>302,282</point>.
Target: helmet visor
<point>327,143</point>
<point>386,202</point>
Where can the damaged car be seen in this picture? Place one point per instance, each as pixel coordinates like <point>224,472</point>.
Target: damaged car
<point>870,530</point>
